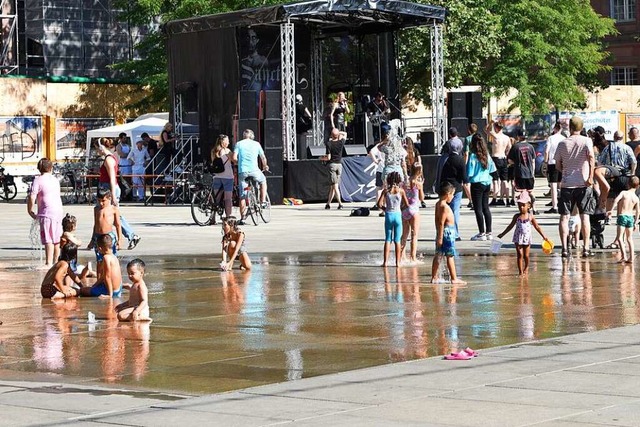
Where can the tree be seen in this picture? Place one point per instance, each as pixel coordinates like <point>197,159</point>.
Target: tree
<point>548,50</point>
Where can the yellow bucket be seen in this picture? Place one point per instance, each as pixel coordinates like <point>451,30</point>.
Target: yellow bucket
<point>547,246</point>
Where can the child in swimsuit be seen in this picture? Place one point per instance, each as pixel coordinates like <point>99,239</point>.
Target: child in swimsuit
<point>523,221</point>
<point>445,235</point>
<point>628,209</point>
<point>233,245</point>
<point>391,199</point>
<point>411,214</point>
<point>60,279</point>
<point>109,283</point>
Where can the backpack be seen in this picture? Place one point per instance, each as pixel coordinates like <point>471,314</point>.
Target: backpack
<point>360,212</point>
<point>217,166</point>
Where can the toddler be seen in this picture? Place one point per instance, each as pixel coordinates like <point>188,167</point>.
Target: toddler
<point>137,308</point>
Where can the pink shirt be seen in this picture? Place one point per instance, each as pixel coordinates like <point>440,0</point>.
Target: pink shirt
<point>46,189</point>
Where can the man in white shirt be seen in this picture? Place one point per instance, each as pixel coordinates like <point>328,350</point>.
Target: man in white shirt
<point>140,157</point>
<point>553,175</point>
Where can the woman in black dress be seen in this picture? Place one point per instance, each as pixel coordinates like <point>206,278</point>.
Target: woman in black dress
<point>340,108</point>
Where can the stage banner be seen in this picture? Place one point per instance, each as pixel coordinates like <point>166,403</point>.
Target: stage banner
<point>71,135</point>
<point>21,139</point>
<point>358,182</point>
<point>259,53</point>
<point>609,120</point>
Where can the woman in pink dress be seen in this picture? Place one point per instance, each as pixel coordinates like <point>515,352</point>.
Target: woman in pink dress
<point>45,192</point>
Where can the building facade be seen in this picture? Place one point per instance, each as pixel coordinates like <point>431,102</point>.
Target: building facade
<point>624,47</point>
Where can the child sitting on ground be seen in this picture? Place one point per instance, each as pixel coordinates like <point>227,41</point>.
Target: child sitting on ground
<point>109,283</point>
<point>391,200</point>
<point>575,224</point>
<point>445,234</point>
<point>69,224</point>
<point>233,245</point>
<point>523,221</point>
<point>628,209</point>
<point>137,308</point>
<point>60,279</point>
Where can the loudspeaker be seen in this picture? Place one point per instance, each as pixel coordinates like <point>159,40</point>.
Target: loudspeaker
<point>272,104</point>
<point>248,104</point>
<point>316,151</point>
<point>189,92</point>
<point>427,143</point>
<point>355,150</point>
<point>272,136</point>
<point>460,123</point>
<point>474,105</point>
<point>253,124</point>
<point>275,188</point>
<point>302,142</point>
<point>274,160</point>
<point>456,104</point>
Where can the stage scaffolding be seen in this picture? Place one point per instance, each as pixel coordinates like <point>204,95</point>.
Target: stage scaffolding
<point>9,38</point>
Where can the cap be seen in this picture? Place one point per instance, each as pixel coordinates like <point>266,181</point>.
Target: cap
<point>524,197</point>
<point>455,146</point>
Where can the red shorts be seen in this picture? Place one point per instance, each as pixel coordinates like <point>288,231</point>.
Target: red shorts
<point>50,230</point>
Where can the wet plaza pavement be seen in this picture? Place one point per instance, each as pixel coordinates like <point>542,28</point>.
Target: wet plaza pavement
<point>297,316</point>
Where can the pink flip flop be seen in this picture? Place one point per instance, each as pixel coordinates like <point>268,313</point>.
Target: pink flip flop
<point>462,355</point>
<point>471,352</point>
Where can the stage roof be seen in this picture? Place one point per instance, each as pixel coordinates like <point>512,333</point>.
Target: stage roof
<point>326,16</point>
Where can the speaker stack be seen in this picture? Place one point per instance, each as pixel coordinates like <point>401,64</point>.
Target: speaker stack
<point>464,108</point>
<point>273,151</point>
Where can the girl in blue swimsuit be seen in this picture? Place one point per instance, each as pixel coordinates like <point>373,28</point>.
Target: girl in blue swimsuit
<point>391,201</point>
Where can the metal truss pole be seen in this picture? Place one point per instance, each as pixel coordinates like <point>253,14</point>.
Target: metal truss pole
<point>10,43</point>
<point>287,46</point>
<point>318,99</point>
<point>438,111</point>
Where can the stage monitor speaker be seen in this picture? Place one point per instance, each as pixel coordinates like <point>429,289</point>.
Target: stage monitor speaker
<point>272,136</point>
<point>355,150</point>
<point>253,124</point>
<point>274,160</point>
<point>474,105</point>
<point>248,104</point>
<point>456,104</point>
<point>313,152</point>
<point>272,104</point>
<point>427,143</point>
<point>302,142</point>
<point>462,124</point>
<point>275,188</point>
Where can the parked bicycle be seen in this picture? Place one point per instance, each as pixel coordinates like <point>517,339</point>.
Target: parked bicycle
<point>8,189</point>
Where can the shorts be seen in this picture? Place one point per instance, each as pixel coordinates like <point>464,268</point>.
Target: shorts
<point>501,169</point>
<point>448,242</point>
<point>225,183</point>
<point>101,289</point>
<point>553,174</point>
<point>257,175</point>
<point>48,291</point>
<point>114,246</point>
<point>525,183</point>
<point>379,181</point>
<point>392,227</point>
<point>626,221</point>
<point>335,171</point>
<point>50,230</point>
<point>511,173</point>
<point>582,197</point>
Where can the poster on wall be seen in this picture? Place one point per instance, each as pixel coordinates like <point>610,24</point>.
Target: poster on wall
<point>21,139</point>
<point>632,120</point>
<point>71,135</point>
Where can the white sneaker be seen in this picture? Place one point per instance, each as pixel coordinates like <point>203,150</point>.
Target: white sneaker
<point>489,236</point>
<point>479,237</point>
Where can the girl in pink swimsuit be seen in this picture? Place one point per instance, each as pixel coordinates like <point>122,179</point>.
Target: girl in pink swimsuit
<point>411,213</point>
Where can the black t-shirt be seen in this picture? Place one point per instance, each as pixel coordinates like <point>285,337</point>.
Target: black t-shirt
<point>152,147</point>
<point>167,147</point>
<point>454,171</point>
<point>303,121</point>
<point>633,145</point>
<point>523,157</point>
<point>335,149</point>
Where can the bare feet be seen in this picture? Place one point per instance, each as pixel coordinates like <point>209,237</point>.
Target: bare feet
<point>458,282</point>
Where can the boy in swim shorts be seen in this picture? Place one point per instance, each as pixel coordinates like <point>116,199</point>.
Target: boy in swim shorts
<point>445,234</point>
<point>109,283</point>
<point>628,210</point>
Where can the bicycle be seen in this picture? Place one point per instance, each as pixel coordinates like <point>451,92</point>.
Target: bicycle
<point>8,188</point>
<point>206,204</point>
<point>254,208</point>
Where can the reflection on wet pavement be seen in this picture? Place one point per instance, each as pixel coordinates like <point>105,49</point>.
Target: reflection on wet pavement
<point>299,316</point>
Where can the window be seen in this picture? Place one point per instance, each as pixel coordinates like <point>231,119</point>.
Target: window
<point>623,10</point>
<point>624,76</point>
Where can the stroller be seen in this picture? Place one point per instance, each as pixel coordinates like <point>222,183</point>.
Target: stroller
<point>597,229</point>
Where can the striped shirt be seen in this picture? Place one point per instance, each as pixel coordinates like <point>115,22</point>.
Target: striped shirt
<point>572,159</point>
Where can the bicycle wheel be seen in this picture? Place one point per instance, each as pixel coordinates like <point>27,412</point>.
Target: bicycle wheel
<point>265,210</point>
<point>9,191</point>
<point>201,211</point>
<point>252,206</point>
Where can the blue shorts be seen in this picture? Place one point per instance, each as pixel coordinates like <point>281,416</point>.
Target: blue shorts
<point>225,183</point>
<point>94,239</point>
<point>448,242</point>
<point>101,289</point>
<point>242,179</point>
